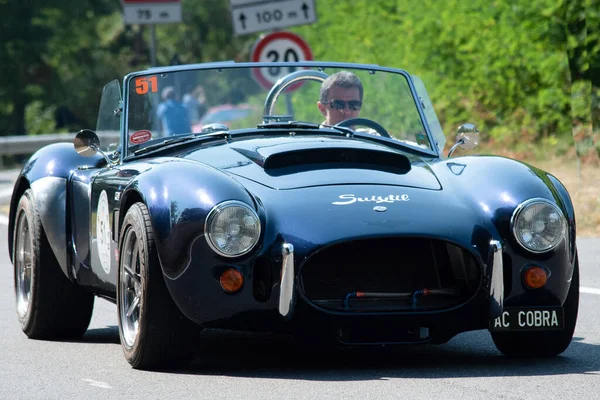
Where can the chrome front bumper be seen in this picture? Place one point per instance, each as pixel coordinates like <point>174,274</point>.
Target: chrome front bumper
<point>286,296</point>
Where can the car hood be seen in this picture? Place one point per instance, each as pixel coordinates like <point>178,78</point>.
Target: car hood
<point>299,162</point>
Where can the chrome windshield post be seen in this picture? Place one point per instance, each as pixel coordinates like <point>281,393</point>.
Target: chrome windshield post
<point>286,295</point>
<point>497,281</point>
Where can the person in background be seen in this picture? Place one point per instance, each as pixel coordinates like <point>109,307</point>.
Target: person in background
<point>172,113</point>
<point>195,103</point>
<point>340,97</point>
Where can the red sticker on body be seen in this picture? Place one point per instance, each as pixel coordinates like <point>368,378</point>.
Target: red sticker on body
<point>140,137</point>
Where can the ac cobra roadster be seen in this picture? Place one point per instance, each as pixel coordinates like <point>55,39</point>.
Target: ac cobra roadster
<point>330,211</point>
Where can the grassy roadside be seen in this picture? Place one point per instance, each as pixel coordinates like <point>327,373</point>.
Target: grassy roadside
<point>583,183</point>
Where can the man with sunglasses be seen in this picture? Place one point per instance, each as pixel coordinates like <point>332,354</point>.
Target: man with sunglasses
<point>340,97</point>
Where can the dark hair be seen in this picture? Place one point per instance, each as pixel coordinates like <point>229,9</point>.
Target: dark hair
<point>168,93</point>
<point>343,79</point>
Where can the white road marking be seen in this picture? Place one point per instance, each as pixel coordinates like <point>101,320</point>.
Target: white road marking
<point>99,384</point>
<point>6,192</point>
<point>3,220</point>
<point>589,290</point>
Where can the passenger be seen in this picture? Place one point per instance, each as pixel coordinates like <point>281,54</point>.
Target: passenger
<point>195,102</point>
<point>173,114</point>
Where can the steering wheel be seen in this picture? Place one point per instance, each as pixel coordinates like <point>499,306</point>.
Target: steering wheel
<point>366,122</point>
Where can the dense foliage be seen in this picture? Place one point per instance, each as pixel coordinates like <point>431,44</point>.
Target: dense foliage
<point>519,69</point>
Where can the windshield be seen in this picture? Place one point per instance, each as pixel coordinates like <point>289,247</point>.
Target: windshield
<point>225,114</point>
<point>181,102</point>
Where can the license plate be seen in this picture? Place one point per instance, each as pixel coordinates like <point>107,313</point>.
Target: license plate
<point>528,319</point>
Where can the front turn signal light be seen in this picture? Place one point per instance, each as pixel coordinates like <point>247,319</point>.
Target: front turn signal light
<point>535,277</point>
<point>231,280</point>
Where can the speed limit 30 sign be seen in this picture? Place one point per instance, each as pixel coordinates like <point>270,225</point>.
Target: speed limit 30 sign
<point>274,47</point>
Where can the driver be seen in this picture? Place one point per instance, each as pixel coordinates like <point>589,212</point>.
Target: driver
<point>340,97</point>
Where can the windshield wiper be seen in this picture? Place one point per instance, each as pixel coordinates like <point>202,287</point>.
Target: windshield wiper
<point>288,124</point>
<point>308,125</point>
<point>173,140</point>
<point>343,129</point>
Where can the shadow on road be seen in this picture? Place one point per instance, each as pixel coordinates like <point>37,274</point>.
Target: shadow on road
<point>109,334</point>
<point>471,354</point>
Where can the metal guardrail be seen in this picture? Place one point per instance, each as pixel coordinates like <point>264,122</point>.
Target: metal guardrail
<point>29,144</point>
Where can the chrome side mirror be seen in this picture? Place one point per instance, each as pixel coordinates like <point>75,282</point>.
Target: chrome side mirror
<point>87,144</point>
<point>467,137</point>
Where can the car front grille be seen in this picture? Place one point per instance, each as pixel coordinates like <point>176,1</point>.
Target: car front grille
<point>389,272</point>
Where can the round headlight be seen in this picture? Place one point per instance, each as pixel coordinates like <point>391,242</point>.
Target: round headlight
<point>538,225</point>
<point>232,228</point>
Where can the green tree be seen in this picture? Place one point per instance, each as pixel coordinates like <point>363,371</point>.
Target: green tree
<point>519,69</point>
<point>582,19</point>
<point>44,48</point>
<point>501,64</point>
<point>56,55</point>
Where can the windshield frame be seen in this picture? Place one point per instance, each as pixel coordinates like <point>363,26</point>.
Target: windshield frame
<point>127,81</point>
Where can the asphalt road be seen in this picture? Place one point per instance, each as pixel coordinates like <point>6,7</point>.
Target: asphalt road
<point>238,366</point>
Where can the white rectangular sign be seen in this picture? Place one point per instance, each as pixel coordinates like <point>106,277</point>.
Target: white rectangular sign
<point>151,12</point>
<point>256,16</point>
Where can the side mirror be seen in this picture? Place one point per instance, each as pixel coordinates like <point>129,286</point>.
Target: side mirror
<point>467,137</point>
<point>86,143</point>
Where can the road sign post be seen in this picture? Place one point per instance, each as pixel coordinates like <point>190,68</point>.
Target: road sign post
<point>250,16</point>
<point>151,12</point>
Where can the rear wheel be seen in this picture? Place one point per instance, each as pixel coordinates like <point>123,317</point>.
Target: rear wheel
<point>49,305</point>
<point>154,333</point>
<point>545,343</point>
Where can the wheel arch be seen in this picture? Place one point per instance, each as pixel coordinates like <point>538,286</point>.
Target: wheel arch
<point>178,207</point>
<point>129,198</point>
<point>46,173</point>
<point>21,185</point>
<point>569,209</point>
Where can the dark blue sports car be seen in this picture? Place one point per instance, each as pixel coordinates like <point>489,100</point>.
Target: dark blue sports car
<point>329,212</point>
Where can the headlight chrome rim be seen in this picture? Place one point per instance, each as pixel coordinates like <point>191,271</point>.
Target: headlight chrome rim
<point>214,212</point>
<point>524,206</point>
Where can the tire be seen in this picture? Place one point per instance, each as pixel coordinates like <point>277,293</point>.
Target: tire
<point>154,333</point>
<point>49,305</point>
<point>546,343</point>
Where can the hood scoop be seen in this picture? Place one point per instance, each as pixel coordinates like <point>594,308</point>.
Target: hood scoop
<point>294,161</point>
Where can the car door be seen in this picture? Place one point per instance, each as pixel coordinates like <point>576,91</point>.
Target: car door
<point>92,221</point>
<point>106,189</point>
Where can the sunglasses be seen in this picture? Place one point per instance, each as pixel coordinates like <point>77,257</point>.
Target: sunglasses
<point>353,105</point>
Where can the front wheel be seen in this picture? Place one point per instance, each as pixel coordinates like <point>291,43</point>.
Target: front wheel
<point>49,305</point>
<point>547,343</point>
<point>153,331</point>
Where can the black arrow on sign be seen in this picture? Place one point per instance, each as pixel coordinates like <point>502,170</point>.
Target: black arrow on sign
<point>243,20</point>
<point>305,9</point>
